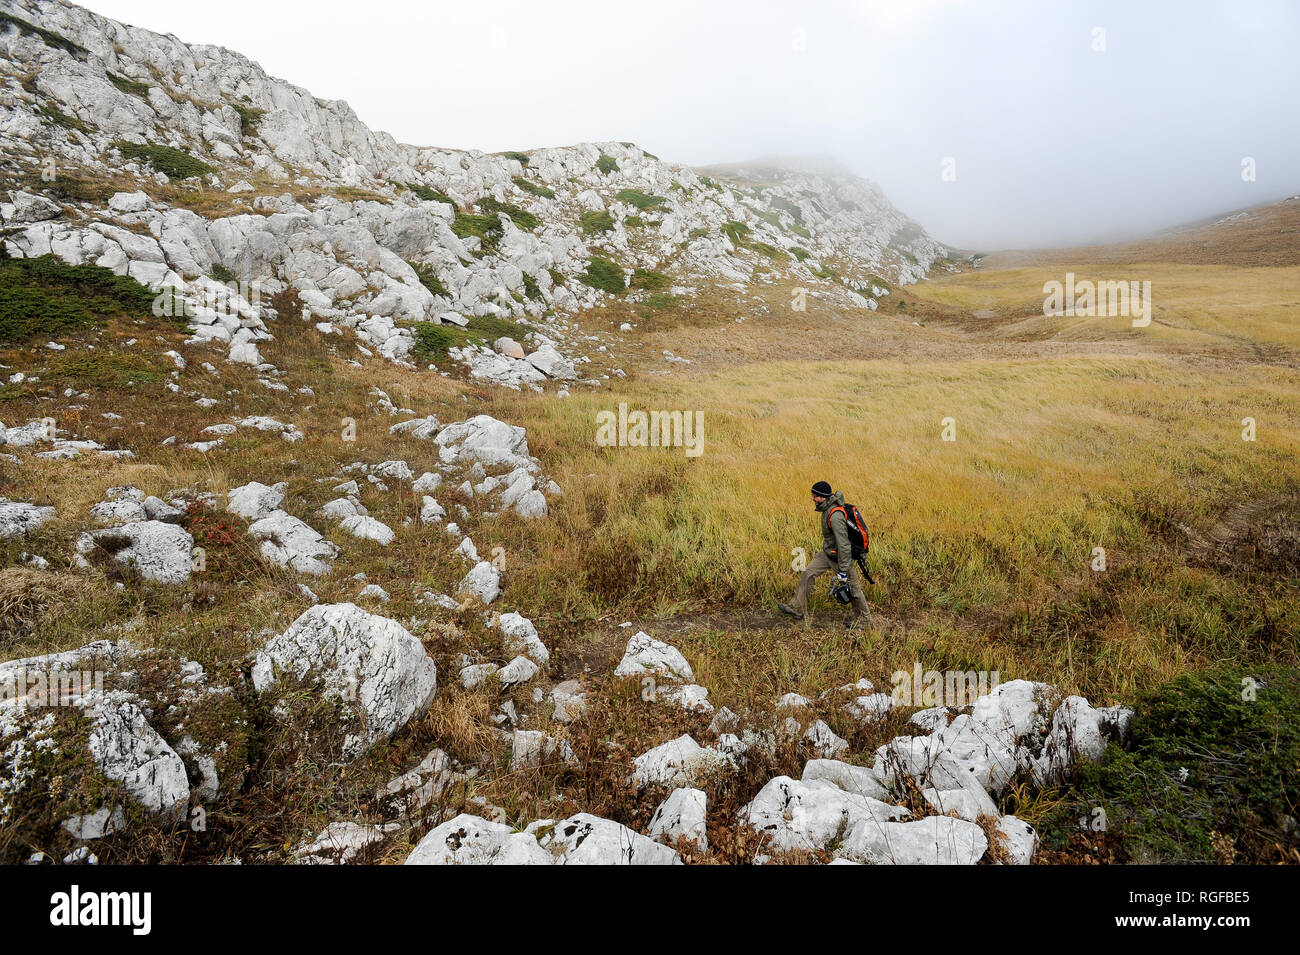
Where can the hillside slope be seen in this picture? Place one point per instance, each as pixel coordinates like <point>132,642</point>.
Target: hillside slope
<point>247,177</point>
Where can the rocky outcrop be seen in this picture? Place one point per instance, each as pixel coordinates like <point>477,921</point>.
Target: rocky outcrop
<point>374,665</point>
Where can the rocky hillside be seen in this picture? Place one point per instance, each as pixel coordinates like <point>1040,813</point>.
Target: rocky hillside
<point>182,165</point>
<point>258,565</point>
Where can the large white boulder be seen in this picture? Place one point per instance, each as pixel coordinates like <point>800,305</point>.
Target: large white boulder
<point>289,542</point>
<point>861,780</point>
<point>808,815</point>
<point>128,751</point>
<point>678,762</point>
<point>373,663</point>
<point>520,637</point>
<point>647,656</point>
<point>584,839</point>
<point>485,439</point>
<point>470,840</point>
<point>483,581</point>
<point>157,550</point>
<point>682,816</point>
<point>934,840</point>
<point>367,528</point>
<point>253,501</point>
<point>17,518</point>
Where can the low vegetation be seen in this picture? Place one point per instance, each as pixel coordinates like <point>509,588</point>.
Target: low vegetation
<point>595,222</point>
<point>172,162</point>
<point>536,188</point>
<point>134,87</point>
<point>45,297</point>
<point>605,275</point>
<point>641,200</point>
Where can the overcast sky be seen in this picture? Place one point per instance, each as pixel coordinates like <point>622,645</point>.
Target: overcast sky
<point>1053,140</point>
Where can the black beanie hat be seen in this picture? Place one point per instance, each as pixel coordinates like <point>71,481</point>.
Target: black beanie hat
<point>821,489</point>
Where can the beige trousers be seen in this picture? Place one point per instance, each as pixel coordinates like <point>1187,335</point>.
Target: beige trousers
<point>819,565</point>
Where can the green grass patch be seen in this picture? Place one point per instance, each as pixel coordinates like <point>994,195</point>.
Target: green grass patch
<point>535,188</point>
<point>800,254</point>
<point>650,280</point>
<point>432,341</point>
<point>428,279</point>
<point>661,301</point>
<point>428,194</point>
<point>736,232</point>
<point>522,158</point>
<point>486,228</point>
<point>531,288</point>
<point>49,37</point>
<point>605,275</point>
<point>46,297</point>
<point>607,164</point>
<point>634,197</point>
<point>172,162</point>
<point>58,118</point>
<point>771,251</point>
<point>520,217</point>
<point>594,223</point>
<point>558,277</point>
<point>248,118</point>
<point>105,369</point>
<point>221,273</point>
<point>134,87</point>
<point>634,222</point>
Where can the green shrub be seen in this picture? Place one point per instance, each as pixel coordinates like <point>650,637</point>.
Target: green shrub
<point>58,118</point>
<point>604,275</point>
<point>520,217</point>
<point>531,288</point>
<point>426,194</point>
<point>129,86</point>
<point>535,188</point>
<point>649,280</point>
<point>487,228</point>
<point>428,279</point>
<point>46,297</point>
<point>593,222</point>
<point>49,37</point>
<point>1205,775</point>
<point>800,254</point>
<point>248,118</point>
<point>171,162</point>
<point>607,164</point>
<point>772,252</point>
<point>221,273</point>
<point>557,277</point>
<point>432,341</point>
<point>635,197</point>
<point>736,232</point>
<point>521,157</point>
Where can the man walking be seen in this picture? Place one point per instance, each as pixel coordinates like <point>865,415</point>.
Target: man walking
<point>836,554</point>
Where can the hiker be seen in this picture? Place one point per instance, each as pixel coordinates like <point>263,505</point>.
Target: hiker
<point>836,554</point>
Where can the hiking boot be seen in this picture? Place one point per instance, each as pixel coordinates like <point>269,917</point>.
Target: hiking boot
<point>789,611</point>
